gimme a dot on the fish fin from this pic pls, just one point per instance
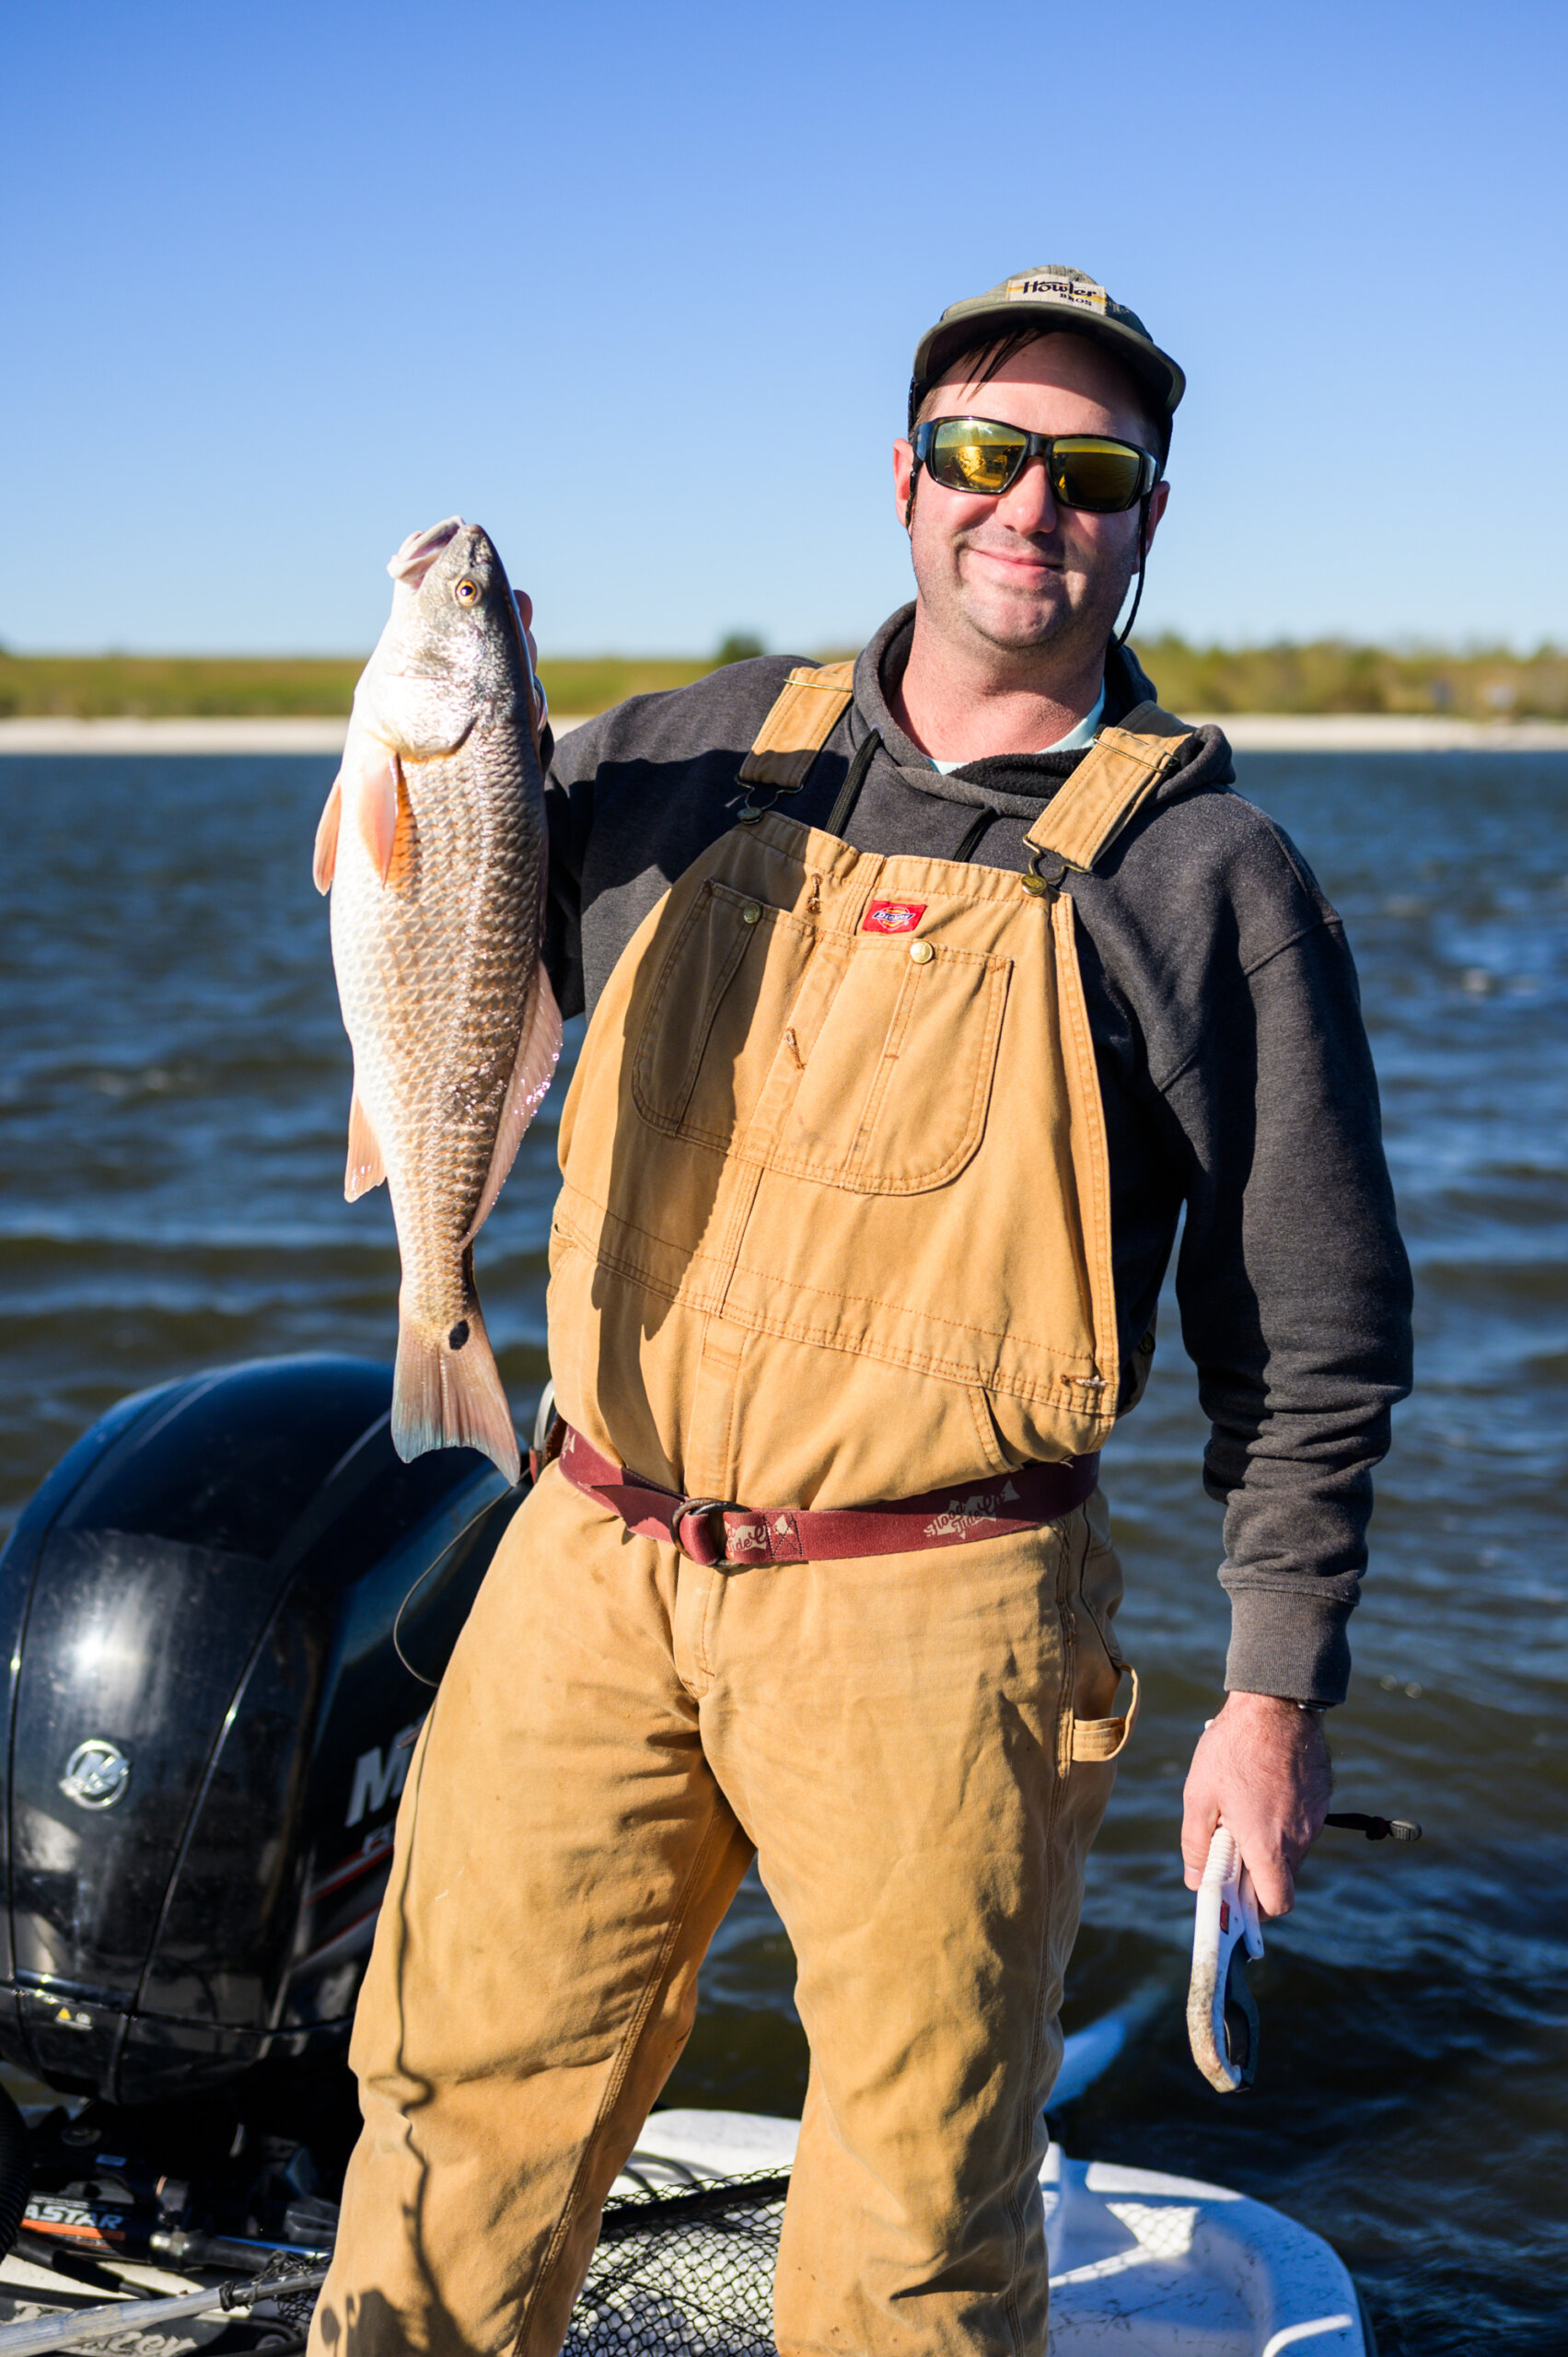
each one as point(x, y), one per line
point(365, 1168)
point(452, 1399)
point(539, 1051)
point(378, 801)
point(326, 855)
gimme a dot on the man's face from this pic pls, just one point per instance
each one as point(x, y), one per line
point(1019, 572)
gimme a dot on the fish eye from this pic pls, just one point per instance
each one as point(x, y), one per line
point(466, 592)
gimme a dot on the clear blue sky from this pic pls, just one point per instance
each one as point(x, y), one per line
point(637, 286)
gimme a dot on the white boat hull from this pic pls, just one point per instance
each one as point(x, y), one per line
point(1141, 2264)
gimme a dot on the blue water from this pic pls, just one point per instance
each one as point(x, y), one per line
point(173, 1091)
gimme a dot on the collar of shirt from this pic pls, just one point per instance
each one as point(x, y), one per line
point(1074, 740)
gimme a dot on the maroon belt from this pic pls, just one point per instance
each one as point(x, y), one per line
point(730, 1538)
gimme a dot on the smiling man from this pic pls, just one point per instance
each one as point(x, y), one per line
point(930, 995)
point(1019, 592)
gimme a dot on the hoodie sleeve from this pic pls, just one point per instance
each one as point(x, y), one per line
point(1293, 1284)
point(1294, 1295)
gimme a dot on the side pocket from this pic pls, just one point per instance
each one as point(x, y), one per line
point(1107, 1738)
point(985, 1432)
point(1101, 1583)
point(1099, 1730)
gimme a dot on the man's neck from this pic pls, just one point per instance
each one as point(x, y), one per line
point(955, 704)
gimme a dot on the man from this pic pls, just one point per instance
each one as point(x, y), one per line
point(927, 1000)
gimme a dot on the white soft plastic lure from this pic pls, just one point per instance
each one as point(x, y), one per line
point(1225, 2051)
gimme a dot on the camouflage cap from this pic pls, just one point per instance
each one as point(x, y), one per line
point(1056, 297)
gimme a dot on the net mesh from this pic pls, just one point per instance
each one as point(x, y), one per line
point(296, 2306)
point(683, 2274)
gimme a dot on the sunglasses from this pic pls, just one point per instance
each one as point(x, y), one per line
point(1086, 471)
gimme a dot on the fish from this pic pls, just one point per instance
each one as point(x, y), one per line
point(433, 847)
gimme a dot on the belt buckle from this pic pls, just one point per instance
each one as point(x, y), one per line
point(696, 1510)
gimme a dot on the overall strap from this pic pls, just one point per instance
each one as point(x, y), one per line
point(808, 708)
point(1110, 784)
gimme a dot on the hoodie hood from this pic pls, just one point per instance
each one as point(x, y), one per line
point(1019, 785)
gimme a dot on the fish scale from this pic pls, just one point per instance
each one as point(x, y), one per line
point(434, 1091)
point(433, 844)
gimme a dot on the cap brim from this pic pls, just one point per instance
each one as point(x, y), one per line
point(1154, 370)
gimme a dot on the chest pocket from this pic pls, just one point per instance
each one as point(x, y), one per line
point(820, 1055)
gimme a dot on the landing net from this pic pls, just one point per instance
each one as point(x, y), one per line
point(687, 2274)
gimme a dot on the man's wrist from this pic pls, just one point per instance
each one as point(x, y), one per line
point(1245, 1698)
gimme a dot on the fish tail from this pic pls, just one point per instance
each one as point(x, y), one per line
point(447, 1392)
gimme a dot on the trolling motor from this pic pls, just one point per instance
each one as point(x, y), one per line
point(1222, 2014)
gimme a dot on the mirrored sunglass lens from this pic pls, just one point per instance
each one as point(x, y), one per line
point(968, 454)
point(1103, 475)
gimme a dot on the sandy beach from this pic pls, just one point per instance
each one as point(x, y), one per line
point(1262, 732)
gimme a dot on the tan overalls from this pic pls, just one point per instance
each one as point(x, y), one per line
point(834, 1227)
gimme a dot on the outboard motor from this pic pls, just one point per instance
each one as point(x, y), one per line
point(224, 1613)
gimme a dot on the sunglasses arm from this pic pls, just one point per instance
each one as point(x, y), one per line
point(1143, 560)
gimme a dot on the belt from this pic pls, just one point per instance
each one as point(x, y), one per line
point(731, 1538)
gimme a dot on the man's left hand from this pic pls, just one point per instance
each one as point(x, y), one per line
point(1263, 1766)
point(525, 615)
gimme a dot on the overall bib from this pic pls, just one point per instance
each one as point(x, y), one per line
point(834, 1228)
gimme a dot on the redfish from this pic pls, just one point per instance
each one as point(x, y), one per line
point(433, 846)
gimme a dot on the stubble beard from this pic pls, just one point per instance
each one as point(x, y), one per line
point(1028, 625)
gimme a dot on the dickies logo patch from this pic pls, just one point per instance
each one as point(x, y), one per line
point(893, 916)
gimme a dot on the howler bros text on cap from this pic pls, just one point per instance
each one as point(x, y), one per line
point(1057, 295)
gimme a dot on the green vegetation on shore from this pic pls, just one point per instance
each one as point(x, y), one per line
point(1331, 675)
point(174, 687)
point(234, 686)
point(1327, 675)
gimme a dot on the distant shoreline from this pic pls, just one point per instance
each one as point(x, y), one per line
point(1261, 732)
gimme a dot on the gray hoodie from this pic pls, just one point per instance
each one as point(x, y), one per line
point(1234, 1067)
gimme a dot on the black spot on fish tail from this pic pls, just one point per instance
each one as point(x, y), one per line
point(458, 1334)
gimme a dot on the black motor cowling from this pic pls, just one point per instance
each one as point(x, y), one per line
point(209, 1610)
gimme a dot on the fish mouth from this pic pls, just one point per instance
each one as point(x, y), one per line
point(420, 551)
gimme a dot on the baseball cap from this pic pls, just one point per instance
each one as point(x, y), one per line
point(1056, 297)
